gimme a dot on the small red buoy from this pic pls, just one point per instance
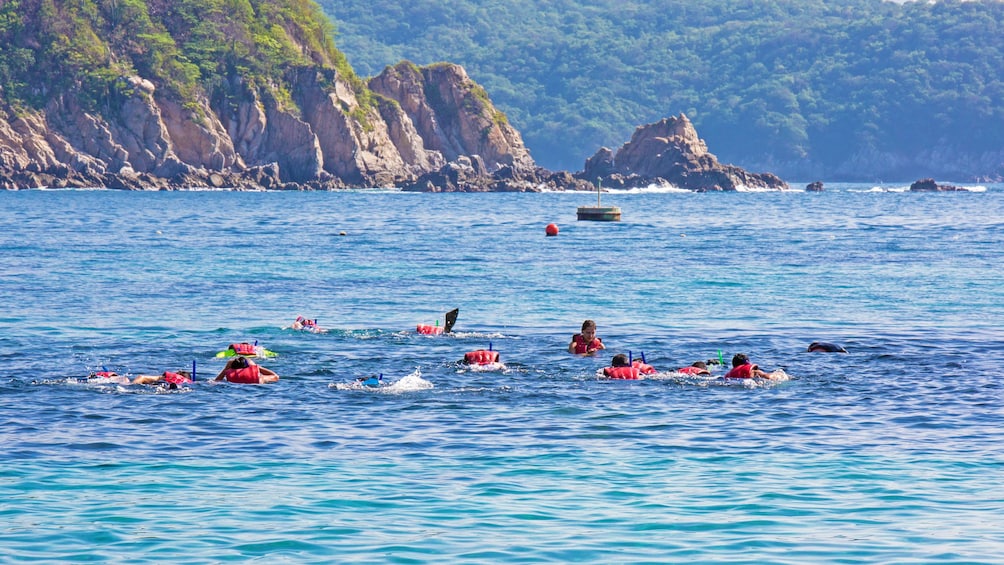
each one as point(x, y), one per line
point(551, 230)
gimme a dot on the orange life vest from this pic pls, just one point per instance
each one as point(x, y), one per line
point(244, 348)
point(245, 375)
point(623, 373)
point(643, 368)
point(741, 372)
point(176, 378)
point(481, 357)
point(583, 347)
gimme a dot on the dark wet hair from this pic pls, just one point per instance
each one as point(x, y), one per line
point(823, 346)
point(588, 324)
point(740, 359)
point(620, 360)
point(239, 362)
point(700, 365)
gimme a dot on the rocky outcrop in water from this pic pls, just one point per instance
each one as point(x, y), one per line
point(468, 174)
point(929, 185)
point(670, 152)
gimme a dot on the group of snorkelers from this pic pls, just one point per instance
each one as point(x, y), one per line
point(242, 369)
point(622, 366)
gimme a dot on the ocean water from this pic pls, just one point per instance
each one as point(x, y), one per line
point(891, 453)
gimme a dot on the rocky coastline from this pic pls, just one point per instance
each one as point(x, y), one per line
point(424, 129)
point(427, 129)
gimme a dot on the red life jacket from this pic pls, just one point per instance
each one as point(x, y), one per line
point(176, 378)
point(582, 347)
point(693, 371)
point(429, 330)
point(481, 357)
point(246, 375)
point(623, 373)
point(643, 368)
point(741, 372)
point(243, 348)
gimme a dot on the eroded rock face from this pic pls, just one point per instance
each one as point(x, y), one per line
point(670, 151)
point(452, 114)
point(320, 136)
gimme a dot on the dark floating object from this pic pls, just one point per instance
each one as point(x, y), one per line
point(827, 347)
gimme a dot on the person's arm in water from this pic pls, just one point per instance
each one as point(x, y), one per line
point(266, 375)
point(223, 372)
point(571, 346)
point(147, 379)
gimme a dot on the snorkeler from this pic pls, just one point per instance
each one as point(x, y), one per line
point(742, 368)
point(245, 371)
point(586, 342)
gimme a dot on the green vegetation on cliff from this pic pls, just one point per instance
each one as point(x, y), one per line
point(797, 86)
point(85, 47)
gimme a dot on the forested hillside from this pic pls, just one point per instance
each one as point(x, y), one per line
point(88, 46)
point(856, 89)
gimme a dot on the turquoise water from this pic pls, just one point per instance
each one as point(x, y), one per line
point(893, 452)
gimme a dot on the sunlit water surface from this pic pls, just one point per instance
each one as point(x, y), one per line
point(893, 452)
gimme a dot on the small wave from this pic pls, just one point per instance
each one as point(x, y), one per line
point(487, 368)
point(483, 389)
point(654, 188)
point(744, 188)
point(478, 335)
point(906, 188)
point(409, 383)
point(305, 330)
point(777, 377)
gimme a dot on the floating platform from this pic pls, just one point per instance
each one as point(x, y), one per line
point(599, 213)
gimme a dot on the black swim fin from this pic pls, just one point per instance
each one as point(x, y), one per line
point(451, 318)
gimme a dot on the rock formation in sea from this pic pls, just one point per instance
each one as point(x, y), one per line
point(815, 186)
point(929, 185)
point(670, 152)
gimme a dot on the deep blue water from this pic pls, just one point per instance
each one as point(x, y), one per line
point(893, 452)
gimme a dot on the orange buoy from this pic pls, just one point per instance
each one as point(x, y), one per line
point(551, 230)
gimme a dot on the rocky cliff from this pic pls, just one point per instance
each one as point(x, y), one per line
point(245, 94)
point(245, 137)
point(670, 152)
